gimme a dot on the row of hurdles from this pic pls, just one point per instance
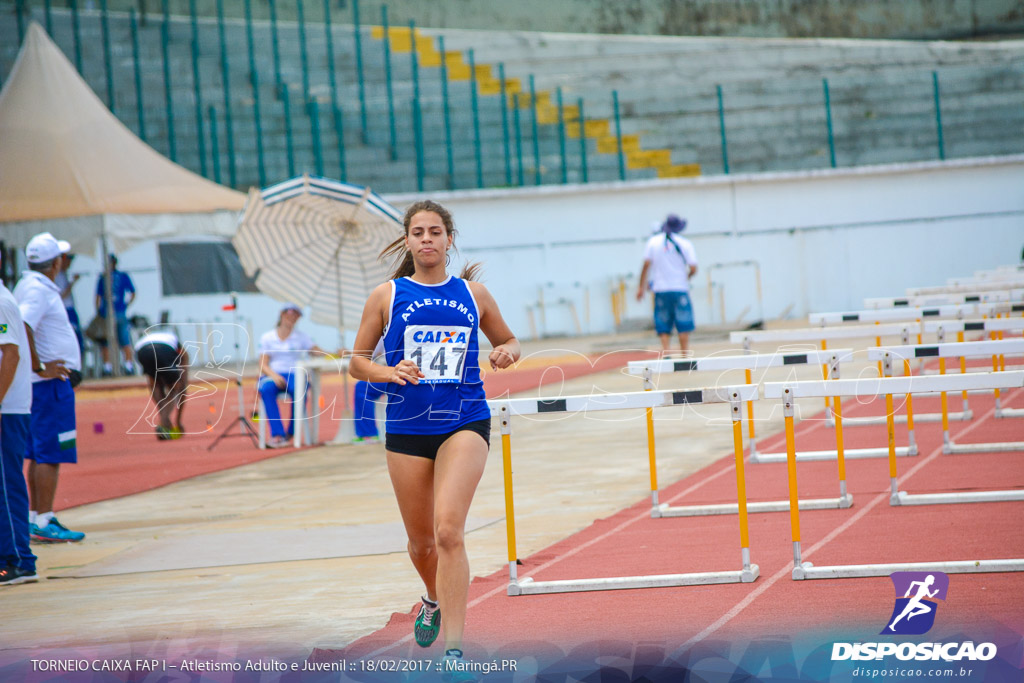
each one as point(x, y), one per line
point(903, 321)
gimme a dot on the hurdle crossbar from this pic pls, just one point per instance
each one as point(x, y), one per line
point(909, 313)
point(928, 300)
point(746, 362)
point(972, 349)
point(968, 287)
point(790, 391)
point(735, 396)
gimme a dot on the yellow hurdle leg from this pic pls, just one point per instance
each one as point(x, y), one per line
point(910, 408)
point(750, 414)
point(794, 500)
point(963, 368)
point(824, 369)
point(945, 404)
point(741, 484)
point(891, 428)
point(510, 514)
point(840, 454)
point(652, 462)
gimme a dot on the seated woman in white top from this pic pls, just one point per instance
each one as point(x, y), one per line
point(280, 349)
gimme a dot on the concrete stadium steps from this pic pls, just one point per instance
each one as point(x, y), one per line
point(881, 97)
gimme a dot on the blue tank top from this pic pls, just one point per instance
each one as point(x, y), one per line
point(435, 326)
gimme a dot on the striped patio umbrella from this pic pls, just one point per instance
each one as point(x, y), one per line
point(317, 242)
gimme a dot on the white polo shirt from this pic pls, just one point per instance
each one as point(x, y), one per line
point(670, 269)
point(283, 353)
point(42, 309)
point(18, 400)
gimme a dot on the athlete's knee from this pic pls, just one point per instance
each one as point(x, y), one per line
point(450, 537)
point(421, 548)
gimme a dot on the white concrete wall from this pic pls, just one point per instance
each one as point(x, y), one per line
point(824, 240)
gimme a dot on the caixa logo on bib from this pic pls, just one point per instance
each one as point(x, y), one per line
point(916, 596)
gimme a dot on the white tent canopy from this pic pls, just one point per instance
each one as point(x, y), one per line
point(69, 166)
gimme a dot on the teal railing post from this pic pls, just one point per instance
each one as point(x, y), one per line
point(49, 19)
point(618, 134)
point(561, 138)
point(447, 115)
point(197, 88)
point(519, 138)
point(314, 129)
point(938, 115)
point(276, 49)
point(286, 103)
point(19, 11)
point(107, 61)
point(303, 50)
point(721, 127)
point(583, 142)
point(140, 109)
point(535, 131)
point(76, 29)
point(254, 82)
point(339, 128)
point(387, 81)
point(165, 41)
point(225, 70)
point(504, 124)
point(414, 62)
point(261, 160)
point(357, 31)
point(417, 127)
point(828, 120)
point(475, 109)
point(214, 145)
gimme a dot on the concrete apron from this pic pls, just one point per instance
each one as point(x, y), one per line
point(569, 471)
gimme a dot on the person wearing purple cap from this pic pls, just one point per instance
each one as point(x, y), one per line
point(669, 262)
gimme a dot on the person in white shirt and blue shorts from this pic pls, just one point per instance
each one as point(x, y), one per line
point(669, 262)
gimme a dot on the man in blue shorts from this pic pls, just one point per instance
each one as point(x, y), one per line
point(17, 563)
point(123, 294)
point(56, 366)
point(670, 261)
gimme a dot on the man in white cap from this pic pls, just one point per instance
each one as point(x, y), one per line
point(17, 563)
point(56, 366)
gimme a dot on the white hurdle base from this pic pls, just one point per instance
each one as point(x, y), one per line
point(904, 498)
point(664, 510)
point(1010, 412)
point(857, 571)
point(950, 447)
point(963, 416)
point(527, 586)
point(849, 453)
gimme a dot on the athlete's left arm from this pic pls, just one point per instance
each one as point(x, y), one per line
point(506, 347)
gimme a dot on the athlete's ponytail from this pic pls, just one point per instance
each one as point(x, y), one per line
point(403, 257)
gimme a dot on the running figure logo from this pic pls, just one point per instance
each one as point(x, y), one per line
point(914, 612)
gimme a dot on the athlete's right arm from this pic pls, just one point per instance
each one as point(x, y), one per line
point(371, 329)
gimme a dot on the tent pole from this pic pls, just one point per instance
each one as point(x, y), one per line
point(108, 297)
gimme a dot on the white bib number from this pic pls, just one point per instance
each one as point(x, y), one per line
point(438, 351)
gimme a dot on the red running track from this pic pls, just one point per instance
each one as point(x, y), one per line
point(630, 543)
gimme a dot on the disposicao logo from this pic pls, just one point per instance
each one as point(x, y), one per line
point(914, 614)
point(916, 595)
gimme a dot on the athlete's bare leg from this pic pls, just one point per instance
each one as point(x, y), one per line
point(460, 464)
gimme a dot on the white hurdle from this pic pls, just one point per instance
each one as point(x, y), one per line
point(790, 391)
point(506, 408)
point(995, 327)
point(827, 335)
point(748, 362)
point(968, 350)
point(925, 300)
point(883, 315)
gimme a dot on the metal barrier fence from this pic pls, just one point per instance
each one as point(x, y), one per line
point(487, 154)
